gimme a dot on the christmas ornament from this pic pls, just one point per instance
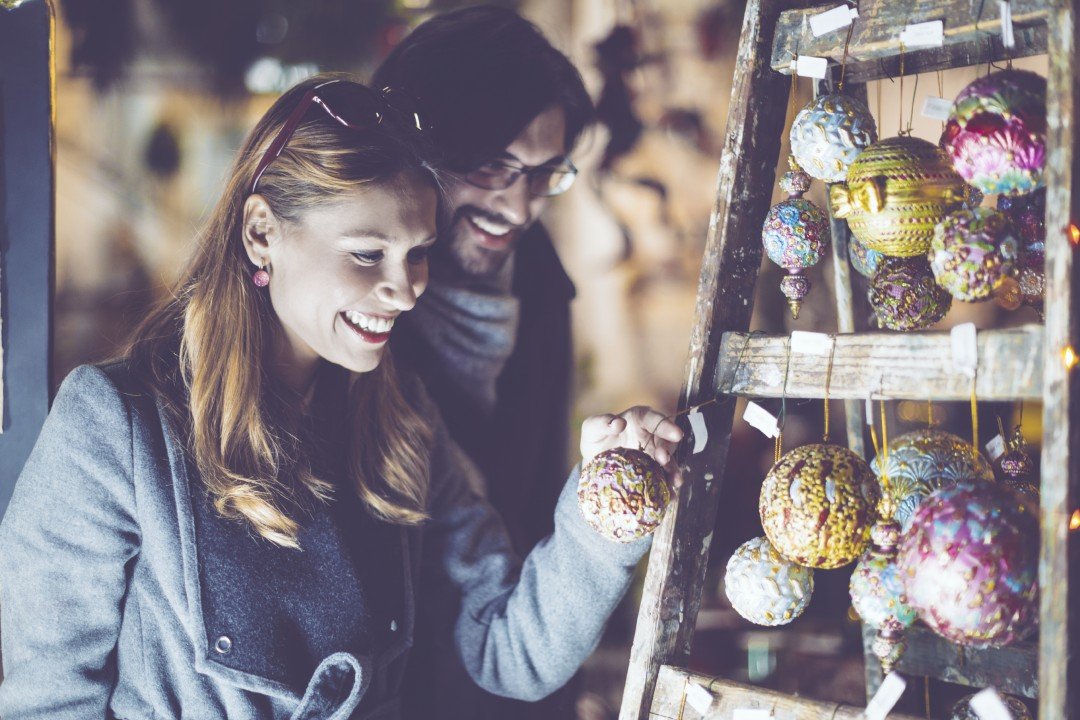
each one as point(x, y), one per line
point(962, 710)
point(878, 595)
point(905, 296)
point(795, 235)
point(865, 261)
point(973, 252)
point(920, 462)
point(896, 191)
point(816, 505)
point(623, 493)
point(1016, 466)
point(764, 587)
point(1028, 216)
point(829, 133)
point(970, 563)
point(996, 133)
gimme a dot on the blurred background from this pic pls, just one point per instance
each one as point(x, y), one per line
point(154, 97)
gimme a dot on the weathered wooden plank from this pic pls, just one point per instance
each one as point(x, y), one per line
point(1012, 669)
point(903, 366)
point(677, 564)
point(1061, 406)
point(875, 40)
point(730, 696)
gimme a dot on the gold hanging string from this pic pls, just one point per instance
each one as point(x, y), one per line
point(843, 61)
point(880, 117)
point(911, 110)
point(790, 118)
point(886, 490)
point(900, 125)
point(941, 91)
point(974, 421)
point(828, 381)
point(929, 414)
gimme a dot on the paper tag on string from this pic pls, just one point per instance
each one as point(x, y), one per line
point(886, 697)
point(869, 412)
point(936, 108)
point(699, 698)
point(811, 67)
point(839, 17)
point(701, 434)
point(811, 343)
point(927, 34)
point(988, 705)
point(996, 447)
point(1008, 37)
point(762, 419)
point(965, 349)
point(751, 714)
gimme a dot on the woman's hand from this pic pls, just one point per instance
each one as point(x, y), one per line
point(637, 428)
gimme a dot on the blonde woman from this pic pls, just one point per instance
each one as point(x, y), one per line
point(244, 516)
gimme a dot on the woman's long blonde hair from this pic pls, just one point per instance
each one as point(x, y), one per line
point(206, 350)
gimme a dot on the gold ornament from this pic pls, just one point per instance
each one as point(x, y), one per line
point(897, 190)
point(817, 505)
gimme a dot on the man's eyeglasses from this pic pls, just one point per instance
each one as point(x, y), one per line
point(544, 180)
point(351, 104)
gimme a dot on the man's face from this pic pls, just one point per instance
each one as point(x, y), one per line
point(485, 224)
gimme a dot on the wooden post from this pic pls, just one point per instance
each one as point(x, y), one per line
point(672, 593)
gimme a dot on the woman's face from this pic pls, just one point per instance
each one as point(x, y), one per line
point(342, 273)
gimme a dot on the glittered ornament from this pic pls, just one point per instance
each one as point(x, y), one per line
point(897, 190)
point(878, 595)
point(829, 133)
point(996, 133)
point(970, 563)
point(962, 710)
point(1016, 466)
point(973, 252)
point(1028, 216)
point(817, 504)
point(923, 461)
point(865, 261)
point(764, 587)
point(623, 493)
point(795, 235)
point(905, 296)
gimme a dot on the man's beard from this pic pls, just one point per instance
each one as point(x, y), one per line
point(463, 252)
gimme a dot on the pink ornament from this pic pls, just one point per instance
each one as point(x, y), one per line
point(261, 278)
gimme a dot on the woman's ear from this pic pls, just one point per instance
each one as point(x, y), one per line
point(261, 230)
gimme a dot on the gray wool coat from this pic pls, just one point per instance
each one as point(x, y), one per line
point(102, 608)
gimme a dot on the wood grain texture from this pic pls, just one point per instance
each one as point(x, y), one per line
point(672, 591)
point(731, 696)
point(902, 366)
point(875, 41)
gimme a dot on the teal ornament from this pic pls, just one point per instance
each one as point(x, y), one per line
point(829, 133)
point(878, 595)
point(865, 261)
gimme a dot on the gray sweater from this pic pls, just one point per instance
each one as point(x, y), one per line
point(102, 609)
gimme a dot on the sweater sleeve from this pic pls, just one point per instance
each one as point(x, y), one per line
point(524, 627)
point(65, 544)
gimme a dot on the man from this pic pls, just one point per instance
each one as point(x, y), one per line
point(491, 336)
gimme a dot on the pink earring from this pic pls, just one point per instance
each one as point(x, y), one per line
point(260, 277)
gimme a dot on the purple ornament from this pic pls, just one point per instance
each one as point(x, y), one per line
point(904, 295)
point(1028, 216)
point(996, 134)
point(973, 252)
point(970, 563)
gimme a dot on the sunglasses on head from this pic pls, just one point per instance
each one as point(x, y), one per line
point(354, 106)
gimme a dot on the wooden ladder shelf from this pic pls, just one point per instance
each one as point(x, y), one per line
point(1018, 363)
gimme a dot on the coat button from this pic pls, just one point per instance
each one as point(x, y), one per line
point(393, 626)
point(223, 645)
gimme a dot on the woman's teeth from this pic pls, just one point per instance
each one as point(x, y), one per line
point(491, 228)
point(368, 323)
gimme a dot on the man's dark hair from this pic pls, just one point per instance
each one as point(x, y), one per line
point(483, 74)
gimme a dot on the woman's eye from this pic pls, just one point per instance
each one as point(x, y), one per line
point(368, 257)
point(419, 254)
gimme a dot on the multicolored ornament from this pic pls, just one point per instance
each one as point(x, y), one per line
point(973, 252)
point(878, 595)
point(970, 563)
point(622, 494)
point(764, 587)
point(1028, 216)
point(1016, 466)
point(905, 296)
point(795, 235)
point(829, 133)
point(923, 461)
point(962, 710)
point(996, 133)
point(897, 190)
point(865, 261)
point(817, 504)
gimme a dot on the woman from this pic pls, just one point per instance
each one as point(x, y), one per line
point(244, 515)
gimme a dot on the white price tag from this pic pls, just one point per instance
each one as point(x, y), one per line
point(886, 697)
point(965, 349)
point(996, 447)
point(699, 698)
point(762, 419)
point(839, 17)
point(869, 412)
point(701, 434)
point(811, 343)
point(751, 714)
point(988, 705)
point(811, 67)
point(1008, 38)
point(936, 108)
point(927, 34)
